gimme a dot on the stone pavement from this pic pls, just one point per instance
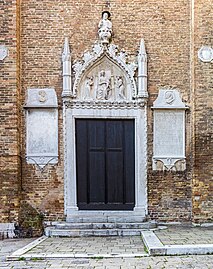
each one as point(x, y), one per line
point(179, 235)
point(116, 245)
point(94, 246)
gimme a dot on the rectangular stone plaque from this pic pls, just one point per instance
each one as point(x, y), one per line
point(42, 127)
point(169, 133)
point(42, 136)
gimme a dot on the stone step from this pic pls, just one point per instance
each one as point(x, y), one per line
point(107, 225)
point(53, 232)
point(105, 218)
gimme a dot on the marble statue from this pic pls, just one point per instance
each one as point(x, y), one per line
point(120, 87)
point(88, 87)
point(104, 87)
point(105, 28)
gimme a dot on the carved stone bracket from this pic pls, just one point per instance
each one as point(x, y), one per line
point(42, 161)
point(169, 163)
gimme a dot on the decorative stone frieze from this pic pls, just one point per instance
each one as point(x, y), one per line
point(42, 127)
point(169, 131)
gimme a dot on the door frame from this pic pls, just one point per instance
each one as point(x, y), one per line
point(73, 111)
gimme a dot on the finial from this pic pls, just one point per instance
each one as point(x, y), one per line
point(142, 47)
point(66, 53)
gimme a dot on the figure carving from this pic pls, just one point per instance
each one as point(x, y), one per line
point(88, 87)
point(170, 97)
point(105, 28)
point(104, 87)
point(42, 96)
point(120, 87)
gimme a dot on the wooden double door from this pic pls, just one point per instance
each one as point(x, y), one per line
point(105, 156)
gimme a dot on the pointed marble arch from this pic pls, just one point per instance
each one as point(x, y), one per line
point(98, 53)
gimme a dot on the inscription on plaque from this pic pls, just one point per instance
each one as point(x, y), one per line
point(42, 127)
point(169, 131)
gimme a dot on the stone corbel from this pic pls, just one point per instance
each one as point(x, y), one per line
point(169, 163)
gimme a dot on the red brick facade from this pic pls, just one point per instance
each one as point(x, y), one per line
point(173, 32)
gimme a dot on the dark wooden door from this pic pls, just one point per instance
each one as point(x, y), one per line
point(105, 164)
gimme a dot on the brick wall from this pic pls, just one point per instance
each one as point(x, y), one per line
point(167, 30)
point(203, 88)
point(9, 113)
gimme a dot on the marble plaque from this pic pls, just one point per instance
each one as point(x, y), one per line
point(205, 54)
point(42, 127)
point(169, 130)
point(169, 133)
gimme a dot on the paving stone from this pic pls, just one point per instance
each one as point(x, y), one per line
point(182, 235)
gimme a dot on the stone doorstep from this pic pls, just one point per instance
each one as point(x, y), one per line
point(97, 229)
point(105, 225)
point(52, 232)
point(155, 247)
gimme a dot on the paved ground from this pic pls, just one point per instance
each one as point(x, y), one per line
point(91, 245)
point(174, 262)
point(183, 235)
point(112, 245)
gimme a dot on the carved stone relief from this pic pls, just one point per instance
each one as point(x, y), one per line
point(112, 65)
point(104, 81)
point(169, 131)
point(42, 127)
